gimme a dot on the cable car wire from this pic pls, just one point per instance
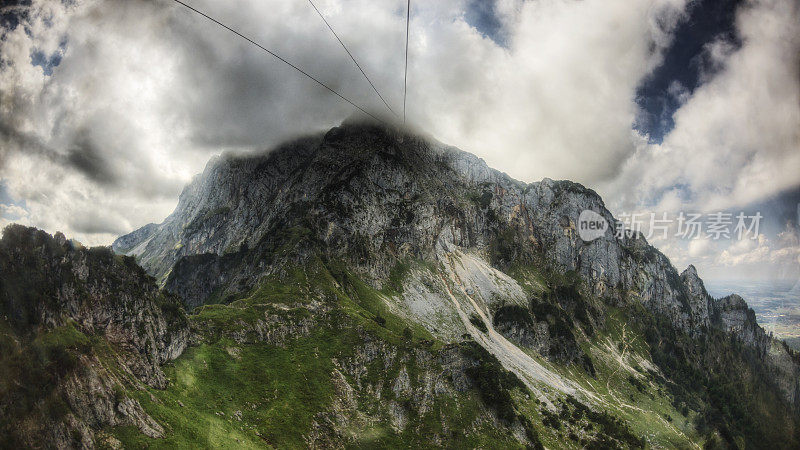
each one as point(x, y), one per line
point(280, 58)
point(352, 57)
point(405, 76)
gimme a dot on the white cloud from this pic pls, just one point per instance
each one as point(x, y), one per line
point(699, 247)
point(737, 138)
point(146, 92)
point(560, 103)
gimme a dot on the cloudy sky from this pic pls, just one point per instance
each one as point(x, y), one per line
point(109, 107)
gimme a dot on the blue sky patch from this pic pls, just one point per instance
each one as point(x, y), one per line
point(482, 15)
point(660, 94)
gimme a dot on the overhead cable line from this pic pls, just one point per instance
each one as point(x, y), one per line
point(405, 76)
point(351, 57)
point(280, 58)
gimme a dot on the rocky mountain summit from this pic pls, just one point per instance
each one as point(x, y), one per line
point(453, 246)
point(67, 313)
point(368, 286)
point(372, 195)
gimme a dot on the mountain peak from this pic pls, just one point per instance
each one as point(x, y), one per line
point(335, 175)
point(401, 260)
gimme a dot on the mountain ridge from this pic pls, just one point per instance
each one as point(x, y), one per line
point(376, 198)
point(367, 286)
point(294, 156)
point(74, 323)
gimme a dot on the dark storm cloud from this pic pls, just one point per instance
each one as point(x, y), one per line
point(107, 108)
point(113, 105)
point(96, 223)
point(238, 95)
point(14, 140)
point(84, 156)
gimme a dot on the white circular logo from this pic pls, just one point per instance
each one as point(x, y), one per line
point(591, 225)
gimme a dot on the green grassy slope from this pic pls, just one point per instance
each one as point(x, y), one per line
point(284, 388)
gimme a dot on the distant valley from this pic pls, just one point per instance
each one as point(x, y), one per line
point(776, 303)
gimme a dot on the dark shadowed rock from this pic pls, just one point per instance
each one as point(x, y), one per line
point(59, 301)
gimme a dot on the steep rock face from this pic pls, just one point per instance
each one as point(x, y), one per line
point(366, 192)
point(786, 372)
point(234, 201)
point(732, 314)
point(195, 278)
point(369, 196)
point(130, 240)
point(372, 195)
point(699, 300)
point(99, 291)
point(546, 331)
point(61, 304)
